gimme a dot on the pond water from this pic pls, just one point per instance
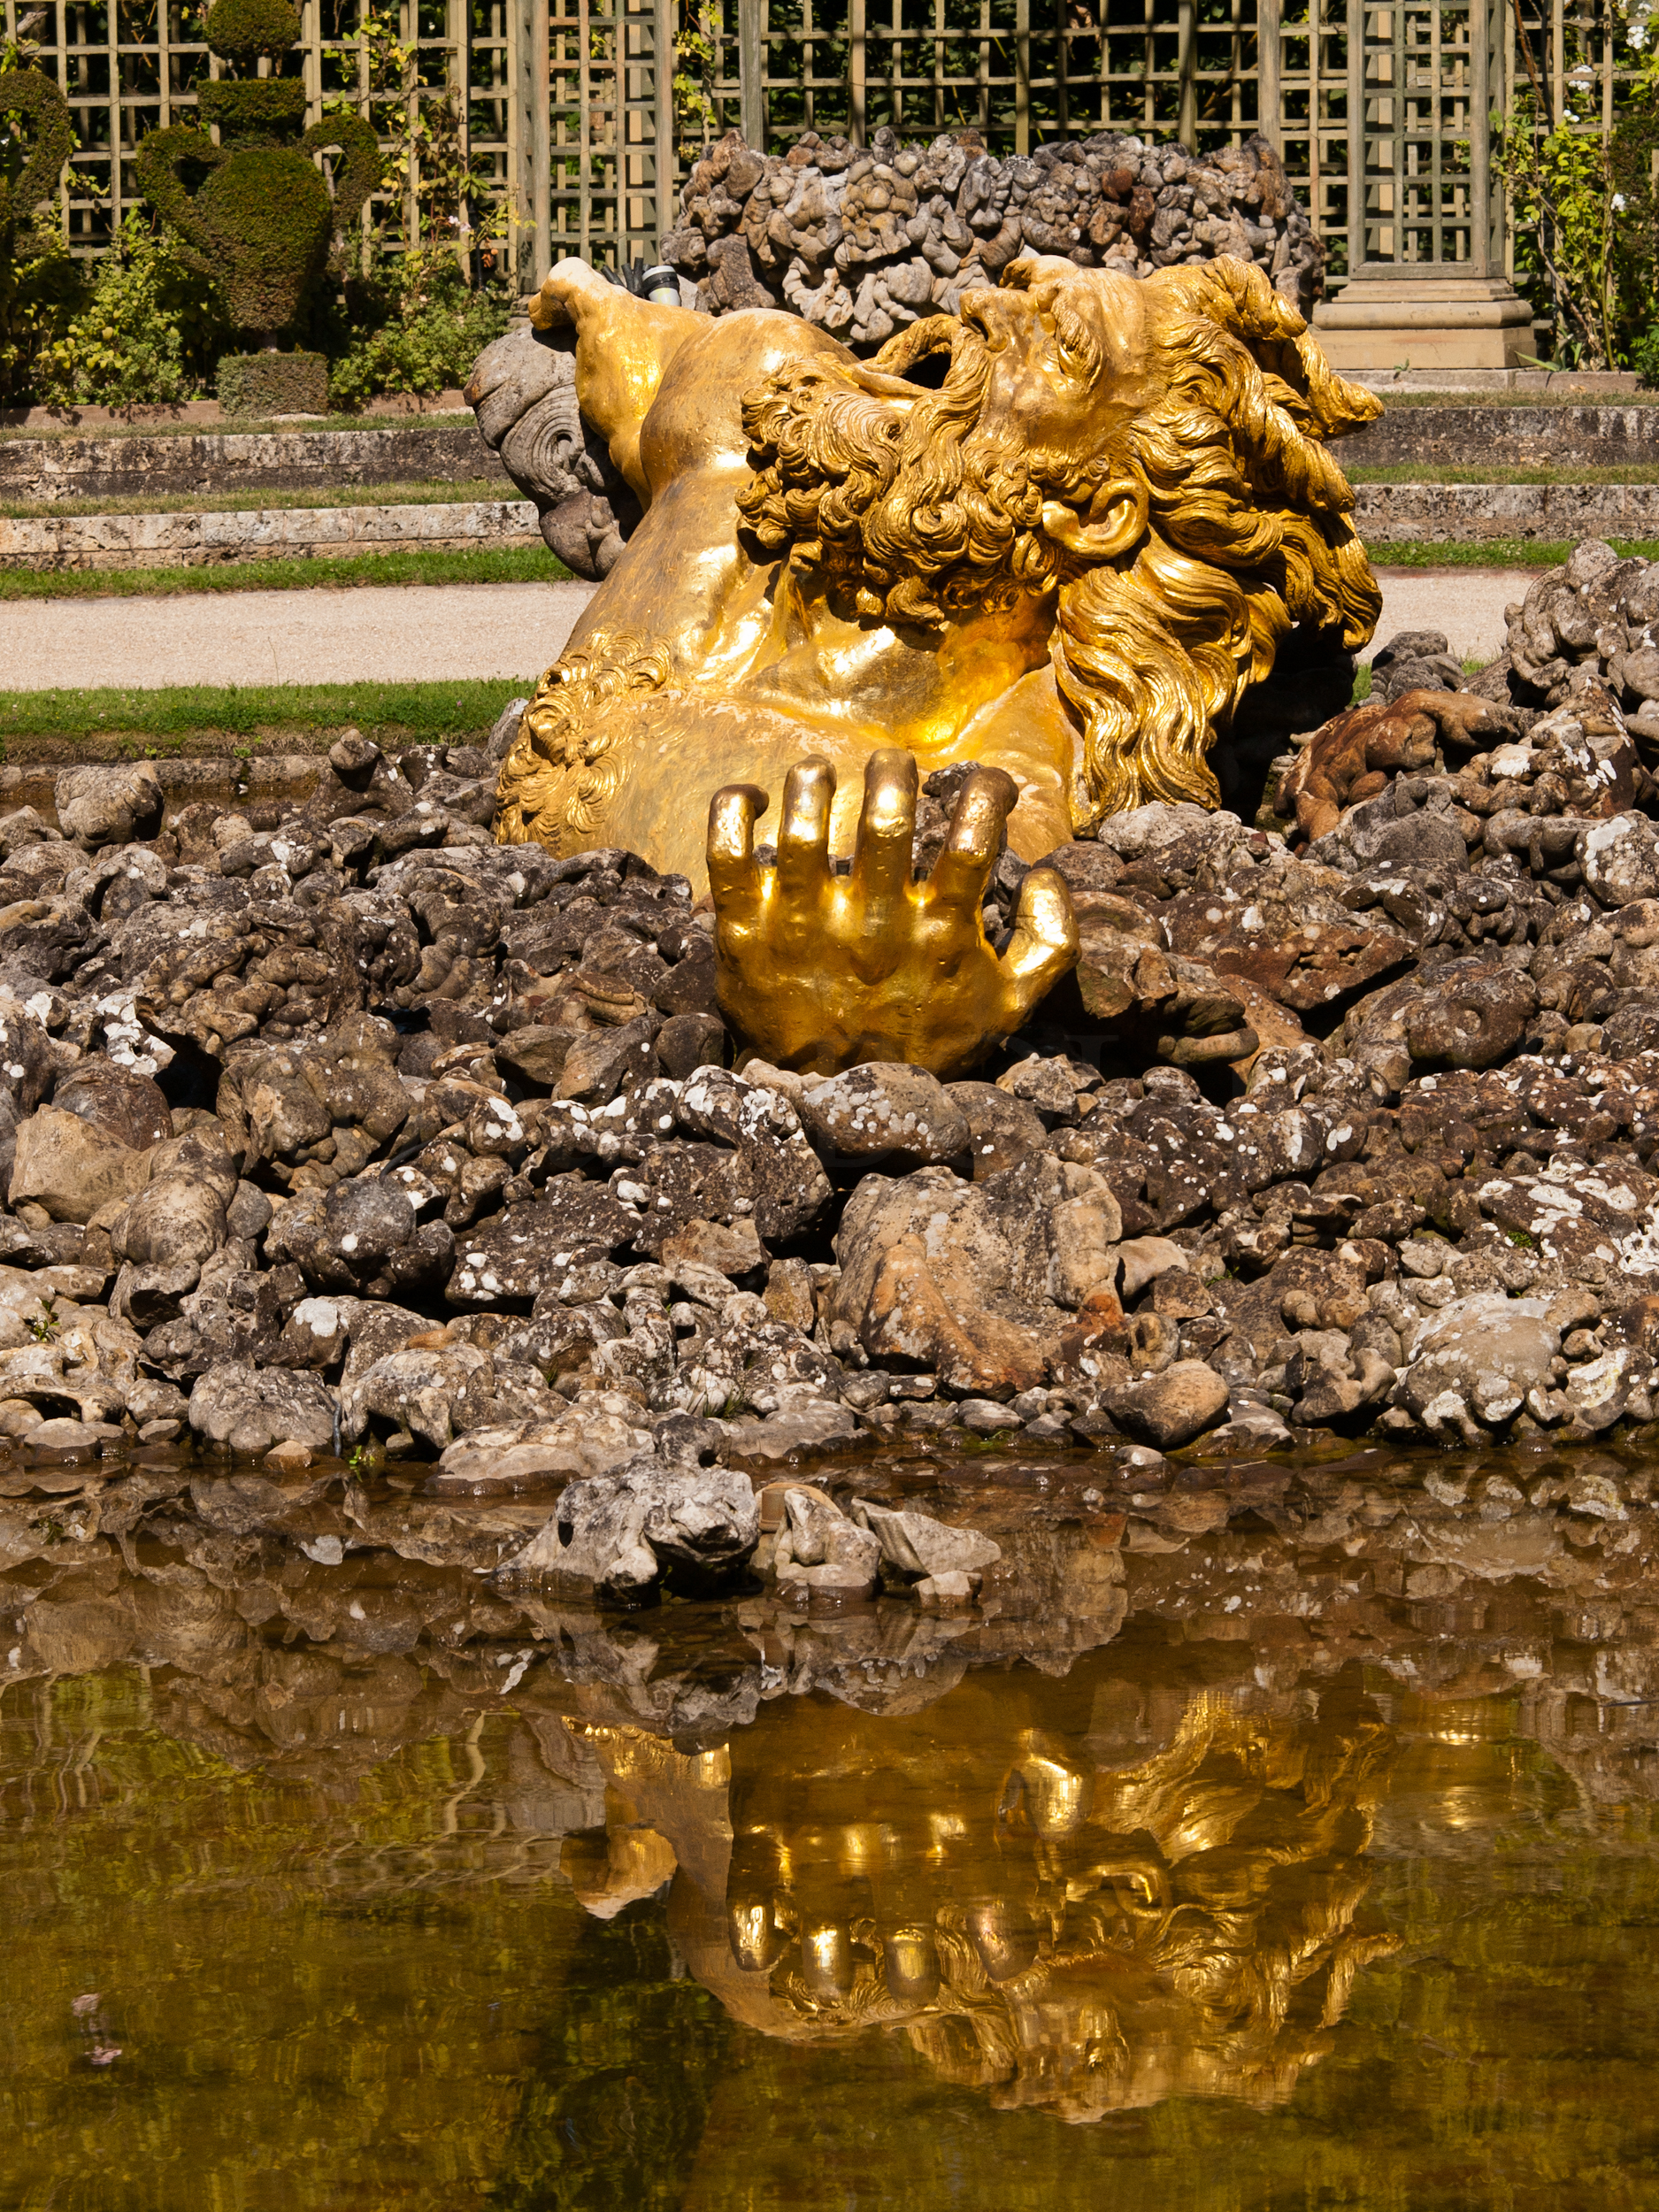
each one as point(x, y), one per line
point(1287, 1841)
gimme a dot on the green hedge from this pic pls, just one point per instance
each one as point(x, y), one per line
point(261, 386)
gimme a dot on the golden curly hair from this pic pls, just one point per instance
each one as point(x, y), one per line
point(921, 515)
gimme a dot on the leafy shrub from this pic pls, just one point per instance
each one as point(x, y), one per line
point(147, 335)
point(1644, 358)
point(40, 287)
point(418, 330)
point(40, 284)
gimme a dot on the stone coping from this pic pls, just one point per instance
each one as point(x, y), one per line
point(1457, 513)
point(1553, 383)
point(127, 467)
point(205, 410)
point(1411, 512)
point(190, 540)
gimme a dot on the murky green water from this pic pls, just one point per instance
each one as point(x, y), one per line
point(1270, 1884)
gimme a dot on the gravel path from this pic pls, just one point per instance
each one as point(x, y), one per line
point(371, 633)
point(1465, 605)
point(413, 632)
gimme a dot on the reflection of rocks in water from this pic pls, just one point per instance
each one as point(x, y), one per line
point(1046, 1923)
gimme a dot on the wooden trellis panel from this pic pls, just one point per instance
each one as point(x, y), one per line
point(1425, 72)
point(567, 104)
point(127, 67)
point(610, 137)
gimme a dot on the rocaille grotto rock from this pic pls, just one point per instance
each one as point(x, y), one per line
point(863, 241)
point(330, 1126)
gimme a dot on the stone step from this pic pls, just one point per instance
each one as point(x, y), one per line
point(1460, 513)
point(191, 539)
point(1383, 513)
point(1506, 437)
point(137, 466)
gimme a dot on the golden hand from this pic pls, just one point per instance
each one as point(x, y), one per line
point(819, 972)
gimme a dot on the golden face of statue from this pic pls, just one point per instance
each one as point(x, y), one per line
point(1056, 537)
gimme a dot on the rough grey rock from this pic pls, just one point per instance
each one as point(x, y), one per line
point(862, 241)
point(620, 1530)
point(819, 1547)
point(108, 805)
point(63, 1164)
point(918, 1545)
point(886, 1111)
point(251, 1409)
point(1169, 1409)
point(592, 1438)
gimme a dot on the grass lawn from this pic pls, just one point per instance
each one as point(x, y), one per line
point(1392, 399)
point(531, 565)
point(1434, 472)
point(210, 720)
point(506, 564)
point(1497, 552)
point(232, 503)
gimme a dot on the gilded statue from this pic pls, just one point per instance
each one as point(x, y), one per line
point(1053, 539)
point(1045, 1926)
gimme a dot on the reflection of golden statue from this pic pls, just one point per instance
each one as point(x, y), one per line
point(1057, 537)
point(1078, 1938)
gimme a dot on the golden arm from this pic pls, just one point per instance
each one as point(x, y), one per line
point(623, 347)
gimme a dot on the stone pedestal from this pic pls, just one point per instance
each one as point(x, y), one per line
point(1423, 318)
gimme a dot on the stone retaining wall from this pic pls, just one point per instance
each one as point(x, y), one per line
point(1460, 512)
point(1507, 437)
point(1383, 512)
point(198, 540)
point(136, 467)
point(132, 467)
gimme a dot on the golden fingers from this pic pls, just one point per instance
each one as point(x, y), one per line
point(819, 971)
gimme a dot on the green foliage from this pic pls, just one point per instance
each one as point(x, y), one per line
point(243, 30)
point(258, 386)
point(40, 284)
point(1561, 205)
point(40, 287)
point(268, 108)
point(146, 334)
point(1644, 358)
point(419, 329)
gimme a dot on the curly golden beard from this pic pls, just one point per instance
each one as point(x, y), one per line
point(906, 506)
point(924, 519)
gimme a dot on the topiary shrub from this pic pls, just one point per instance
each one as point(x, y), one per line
point(264, 385)
point(26, 92)
point(252, 211)
point(259, 111)
point(248, 31)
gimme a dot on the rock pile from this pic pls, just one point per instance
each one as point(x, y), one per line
point(863, 241)
point(1588, 625)
point(328, 1126)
